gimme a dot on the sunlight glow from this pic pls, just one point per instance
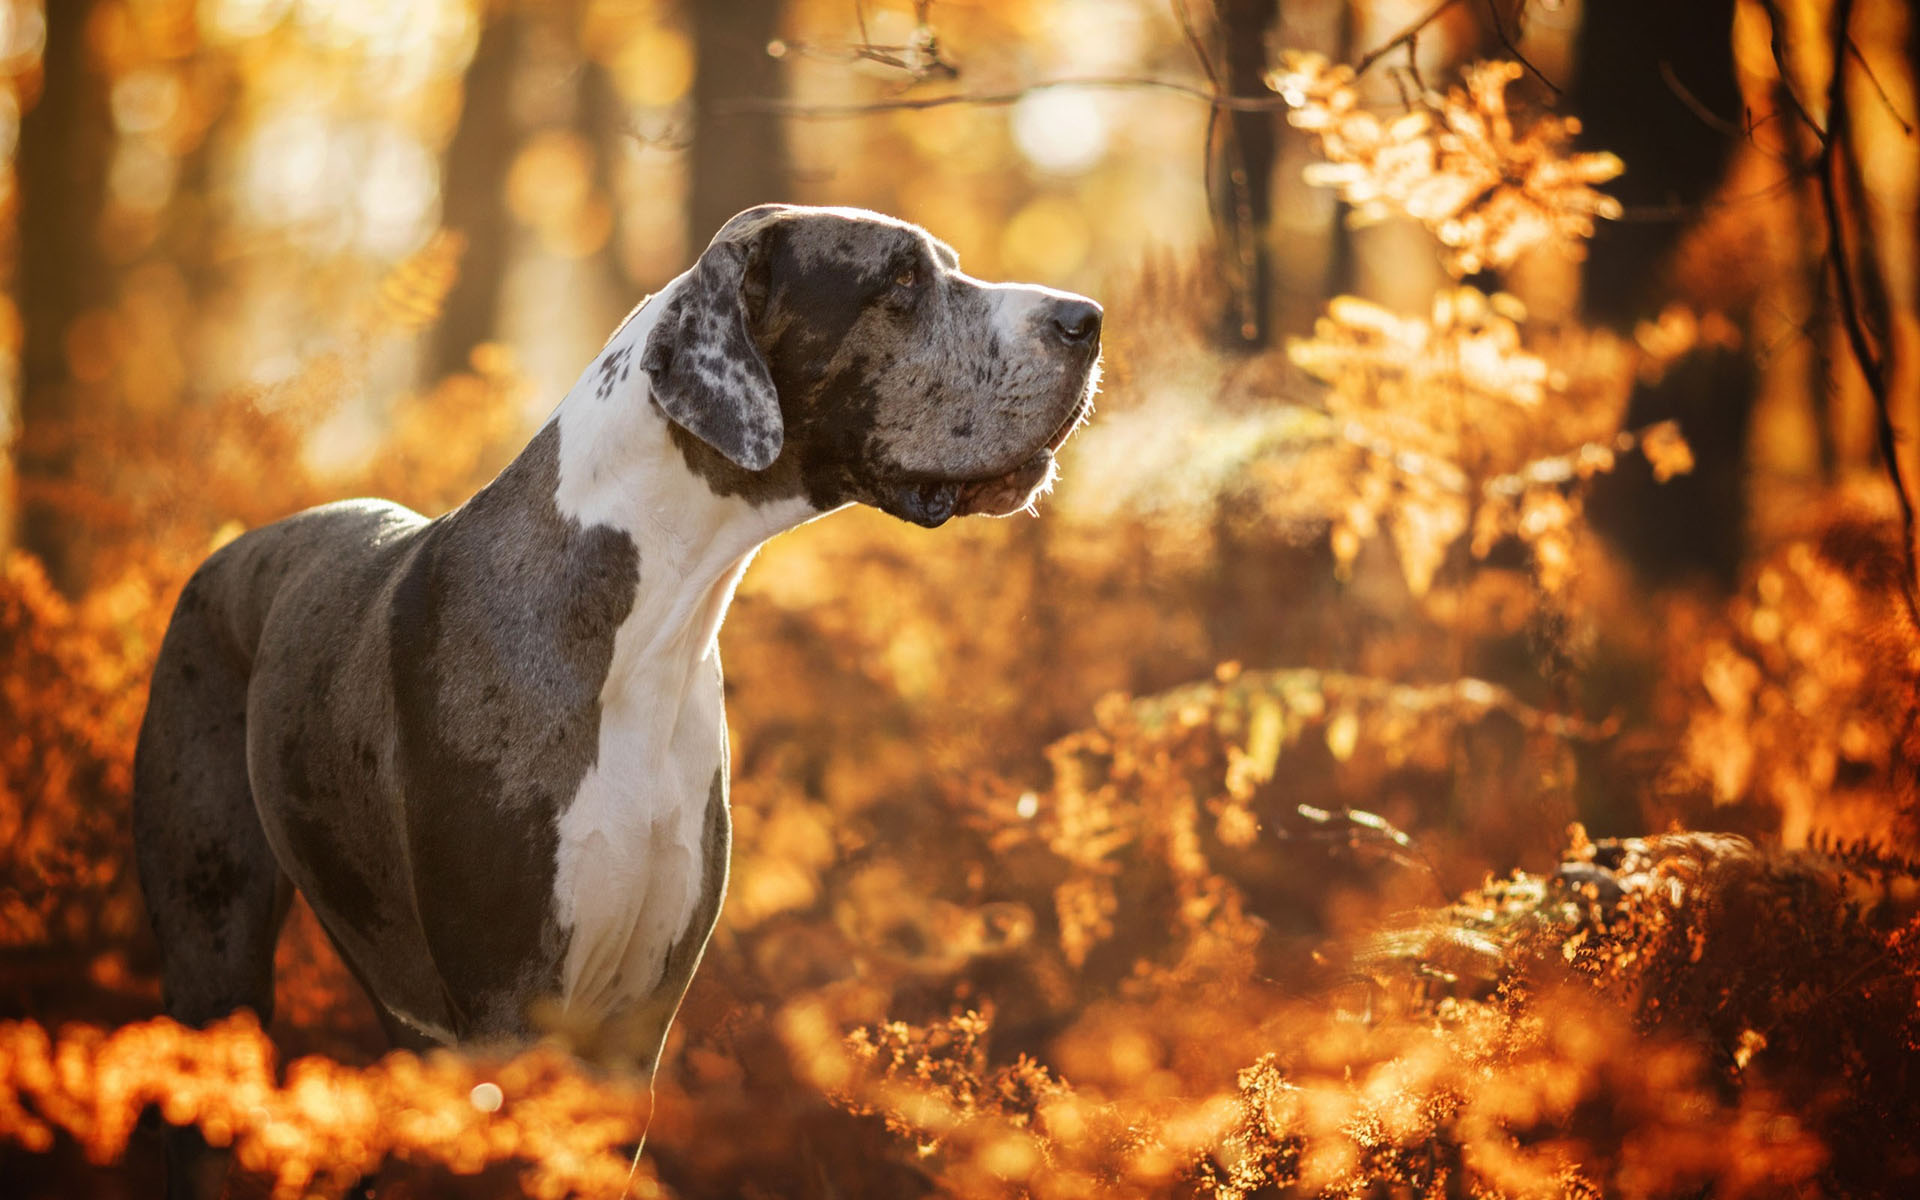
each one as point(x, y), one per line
point(399, 184)
point(239, 19)
point(285, 168)
point(290, 172)
point(1060, 131)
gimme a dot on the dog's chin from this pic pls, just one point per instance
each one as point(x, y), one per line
point(931, 503)
point(1004, 495)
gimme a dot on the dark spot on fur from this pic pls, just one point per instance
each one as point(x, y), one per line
point(484, 802)
point(213, 877)
point(603, 567)
point(339, 876)
point(613, 365)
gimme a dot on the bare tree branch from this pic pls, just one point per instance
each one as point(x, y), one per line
point(1506, 40)
point(1873, 77)
point(1833, 167)
point(1681, 92)
point(920, 58)
point(1775, 22)
point(1691, 211)
point(1192, 35)
point(1407, 37)
point(806, 111)
point(1240, 219)
point(1721, 125)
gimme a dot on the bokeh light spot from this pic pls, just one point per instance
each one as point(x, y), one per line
point(486, 1097)
point(1060, 130)
point(655, 67)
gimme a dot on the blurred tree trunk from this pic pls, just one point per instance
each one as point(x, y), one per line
point(10, 356)
point(1309, 239)
point(1648, 77)
point(474, 192)
point(1654, 83)
point(9, 489)
point(1243, 174)
point(739, 159)
point(605, 123)
point(65, 140)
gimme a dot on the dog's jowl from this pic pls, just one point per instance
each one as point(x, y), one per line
point(489, 748)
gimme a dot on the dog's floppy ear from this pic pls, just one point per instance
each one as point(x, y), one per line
point(708, 374)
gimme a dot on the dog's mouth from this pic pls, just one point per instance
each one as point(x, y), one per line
point(932, 502)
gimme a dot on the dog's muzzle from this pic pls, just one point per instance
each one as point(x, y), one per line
point(1066, 328)
point(932, 502)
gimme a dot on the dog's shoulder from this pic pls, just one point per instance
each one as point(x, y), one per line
point(237, 587)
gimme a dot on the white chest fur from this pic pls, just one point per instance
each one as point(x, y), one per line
point(631, 864)
point(631, 869)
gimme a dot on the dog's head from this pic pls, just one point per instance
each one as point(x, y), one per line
point(844, 354)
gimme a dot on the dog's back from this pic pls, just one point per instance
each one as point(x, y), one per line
point(214, 886)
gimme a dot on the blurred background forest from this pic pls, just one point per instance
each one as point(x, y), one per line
point(1452, 732)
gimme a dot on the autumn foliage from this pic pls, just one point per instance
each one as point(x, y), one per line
point(1225, 832)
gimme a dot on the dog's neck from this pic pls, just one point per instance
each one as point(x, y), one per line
point(620, 467)
point(630, 872)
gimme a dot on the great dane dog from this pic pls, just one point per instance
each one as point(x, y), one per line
point(489, 748)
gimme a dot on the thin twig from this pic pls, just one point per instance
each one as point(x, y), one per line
point(800, 109)
point(1244, 235)
point(1406, 37)
point(1874, 78)
point(1192, 34)
point(1775, 22)
point(1500, 31)
point(1713, 120)
point(1407, 82)
point(1687, 212)
point(920, 60)
point(1185, 19)
point(1833, 162)
point(673, 136)
point(1681, 92)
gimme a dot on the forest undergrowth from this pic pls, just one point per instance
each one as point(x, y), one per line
point(1311, 802)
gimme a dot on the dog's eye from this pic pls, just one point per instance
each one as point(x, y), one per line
point(905, 277)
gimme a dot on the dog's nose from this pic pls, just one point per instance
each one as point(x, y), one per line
point(1077, 322)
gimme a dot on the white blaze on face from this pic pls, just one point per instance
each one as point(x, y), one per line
point(1016, 317)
